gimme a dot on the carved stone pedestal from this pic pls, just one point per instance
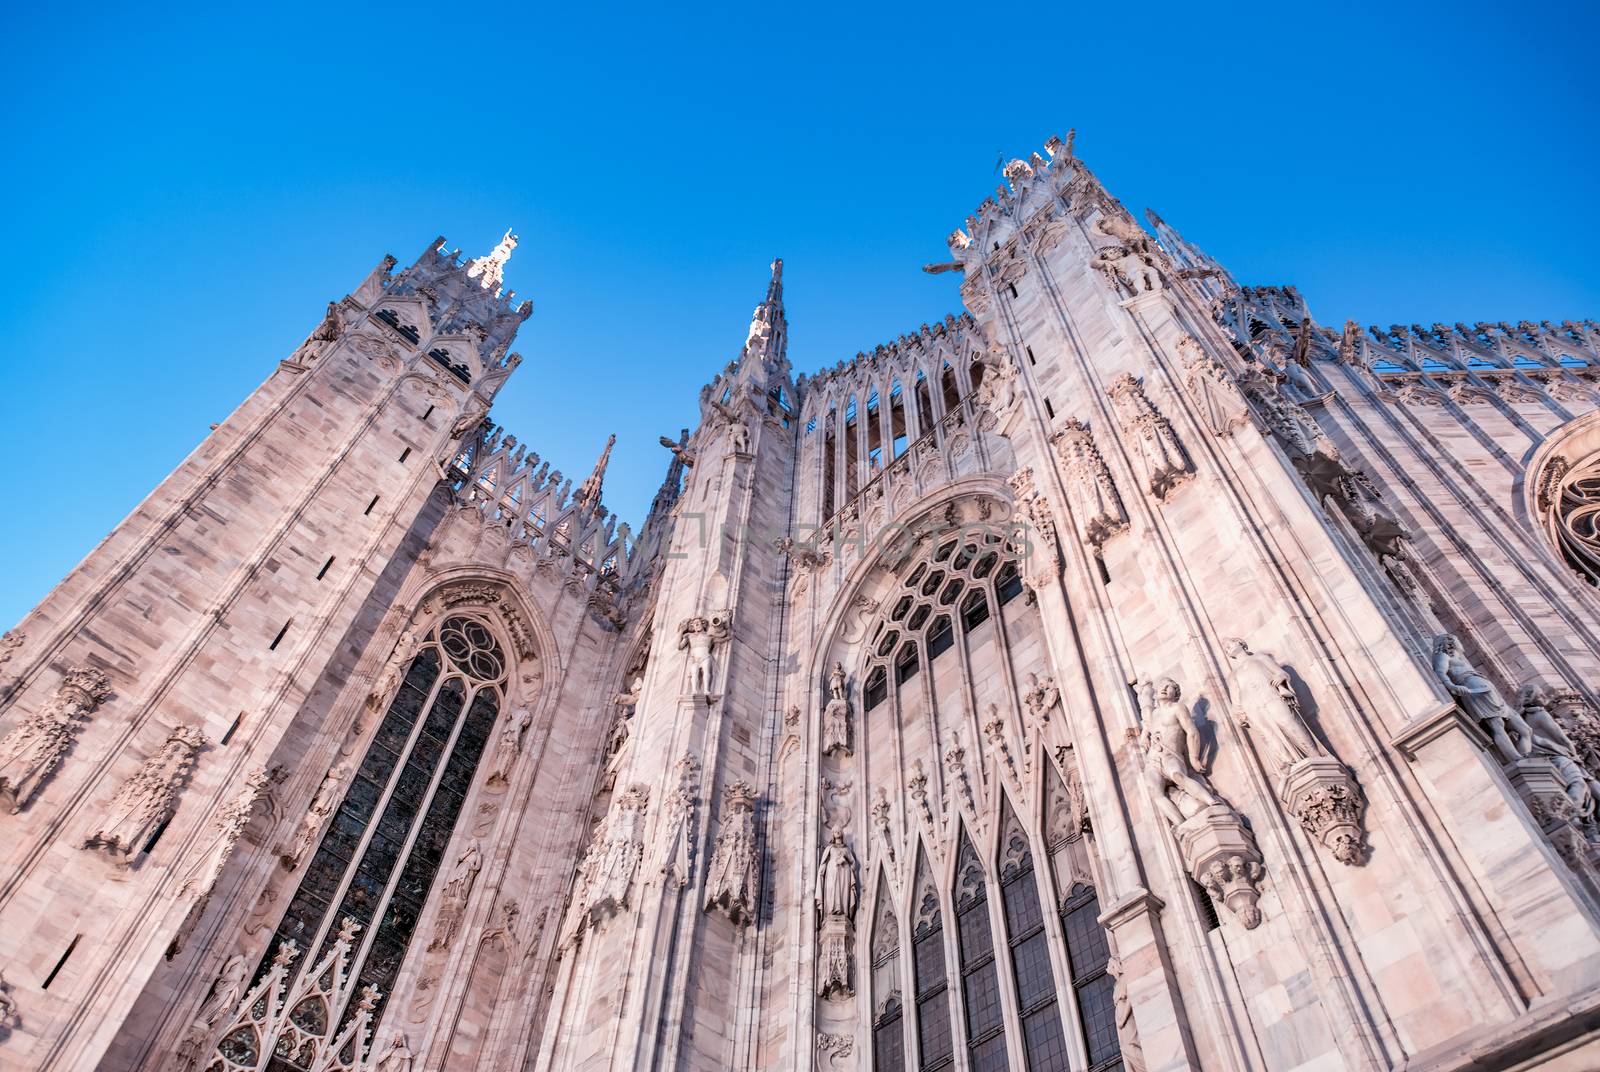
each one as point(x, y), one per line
point(1541, 786)
point(1222, 856)
point(1320, 793)
point(833, 960)
point(1536, 781)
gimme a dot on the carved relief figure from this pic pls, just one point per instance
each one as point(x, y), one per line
point(322, 805)
point(398, 1058)
point(1480, 699)
point(1041, 698)
point(1156, 444)
point(147, 799)
point(1090, 489)
point(456, 892)
point(836, 716)
point(622, 847)
point(1269, 708)
point(33, 748)
point(215, 1012)
point(732, 881)
point(674, 852)
point(1173, 763)
point(1044, 561)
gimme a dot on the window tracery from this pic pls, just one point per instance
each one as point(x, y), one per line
point(980, 983)
point(888, 1044)
point(1570, 498)
point(1013, 919)
point(935, 1042)
point(367, 885)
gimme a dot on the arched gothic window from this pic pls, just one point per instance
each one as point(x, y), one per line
point(888, 1044)
point(1088, 952)
point(383, 848)
point(935, 1043)
point(955, 645)
point(980, 984)
point(1042, 1037)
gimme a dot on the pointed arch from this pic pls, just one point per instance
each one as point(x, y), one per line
point(980, 982)
point(931, 982)
point(888, 1037)
point(1044, 1042)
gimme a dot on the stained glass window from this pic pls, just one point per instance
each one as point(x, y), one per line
point(980, 985)
point(382, 849)
point(1042, 1036)
point(1093, 988)
point(934, 1040)
point(888, 1042)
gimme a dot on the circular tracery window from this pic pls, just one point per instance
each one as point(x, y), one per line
point(1573, 497)
point(472, 648)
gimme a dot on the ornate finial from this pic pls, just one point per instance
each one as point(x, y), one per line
point(490, 271)
point(589, 490)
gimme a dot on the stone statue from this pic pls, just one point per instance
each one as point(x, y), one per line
point(880, 822)
point(836, 716)
point(1172, 752)
point(1478, 697)
point(328, 330)
point(836, 897)
point(225, 994)
point(732, 882)
point(511, 734)
point(1268, 707)
point(837, 891)
point(398, 1058)
point(216, 1012)
point(1548, 736)
point(322, 805)
point(1127, 1030)
point(148, 799)
point(456, 892)
point(1129, 264)
point(1551, 741)
point(698, 635)
point(394, 669)
point(34, 747)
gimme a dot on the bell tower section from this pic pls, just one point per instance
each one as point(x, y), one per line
point(148, 702)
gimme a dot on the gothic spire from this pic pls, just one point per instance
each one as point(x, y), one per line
point(489, 271)
point(589, 490)
point(768, 341)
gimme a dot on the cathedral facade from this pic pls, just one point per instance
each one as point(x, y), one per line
point(1129, 672)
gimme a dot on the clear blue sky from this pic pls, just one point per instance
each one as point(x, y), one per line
point(183, 190)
